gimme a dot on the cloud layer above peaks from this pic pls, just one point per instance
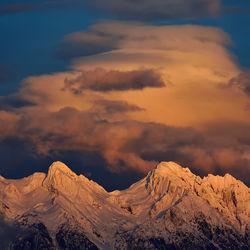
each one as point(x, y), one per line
point(140, 95)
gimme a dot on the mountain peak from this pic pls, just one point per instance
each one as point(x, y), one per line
point(59, 177)
point(61, 180)
point(166, 168)
point(170, 170)
point(59, 167)
point(168, 176)
point(212, 210)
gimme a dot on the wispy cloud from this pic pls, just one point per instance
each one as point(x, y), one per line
point(31, 6)
point(149, 10)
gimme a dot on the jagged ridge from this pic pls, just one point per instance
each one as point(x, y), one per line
point(168, 207)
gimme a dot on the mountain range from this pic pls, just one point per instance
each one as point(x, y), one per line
point(171, 208)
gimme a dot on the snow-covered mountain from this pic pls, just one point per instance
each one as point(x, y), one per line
point(171, 208)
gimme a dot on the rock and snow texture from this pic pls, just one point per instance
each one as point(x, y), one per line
point(171, 208)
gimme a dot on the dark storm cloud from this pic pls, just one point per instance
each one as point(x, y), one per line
point(5, 74)
point(229, 146)
point(103, 81)
point(111, 110)
point(12, 102)
point(242, 81)
point(229, 130)
point(80, 131)
point(25, 163)
point(128, 144)
point(113, 107)
point(159, 9)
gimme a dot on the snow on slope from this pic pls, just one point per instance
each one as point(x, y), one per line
point(165, 207)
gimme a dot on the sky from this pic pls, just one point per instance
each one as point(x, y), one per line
point(113, 87)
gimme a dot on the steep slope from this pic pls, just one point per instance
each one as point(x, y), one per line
point(170, 208)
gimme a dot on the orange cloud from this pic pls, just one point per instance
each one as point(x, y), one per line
point(192, 60)
point(118, 111)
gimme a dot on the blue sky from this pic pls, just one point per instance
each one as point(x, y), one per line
point(30, 39)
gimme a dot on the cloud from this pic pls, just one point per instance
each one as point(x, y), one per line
point(86, 44)
point(70, 129)
point(31, 6)
point(112, 108)
point(112, 36)
point(102, 80)
point(159, 9)
point(13, 102)
point(147, 10)
point(135, 128)
point(192, 60)
point(127, 144)
point(241, 81)
point(125, 9)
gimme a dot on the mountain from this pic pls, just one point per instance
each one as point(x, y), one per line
point(171, 208)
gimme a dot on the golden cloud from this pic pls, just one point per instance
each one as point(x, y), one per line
point(158, 96)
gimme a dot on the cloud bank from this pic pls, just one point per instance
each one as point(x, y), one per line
point(128, 144)
point(155, 94)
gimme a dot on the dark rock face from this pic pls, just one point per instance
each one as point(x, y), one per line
point(36, 238)
point(187, 235)
point(186, 243)
point(223, 237)
point(72, 240)
point(229, 239)
point(68, 238)
point(153, 243)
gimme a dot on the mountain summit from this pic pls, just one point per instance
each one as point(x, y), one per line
point(171, 208)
